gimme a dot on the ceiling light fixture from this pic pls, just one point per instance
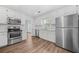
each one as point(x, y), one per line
point(38, 11)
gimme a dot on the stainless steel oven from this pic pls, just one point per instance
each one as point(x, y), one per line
point(14, 30)
point(14, 34)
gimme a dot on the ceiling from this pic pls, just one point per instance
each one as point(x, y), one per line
point(33, 10)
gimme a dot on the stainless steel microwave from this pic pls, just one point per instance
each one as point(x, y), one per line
point(14, 21)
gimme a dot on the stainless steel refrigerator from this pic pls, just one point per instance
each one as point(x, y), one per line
point(67, 32)
point(37, 32)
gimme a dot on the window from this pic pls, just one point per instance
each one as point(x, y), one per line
point(47, 23)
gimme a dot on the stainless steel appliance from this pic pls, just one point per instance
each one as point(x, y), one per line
point(14, 30)
point(14, 34)
point(37, 32)
point(14, 21)
point(67, 32)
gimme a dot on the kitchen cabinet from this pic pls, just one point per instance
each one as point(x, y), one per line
point(12, 14)
point(3, 39)
point(3, 28)
point(47, 35)
point(66, 11)
point(3, 35)
point(24, 34)
point(6, 12)
point(47, 29)
point(51, 36)
point(24, 28)
point(3, 19)
point(3, 15)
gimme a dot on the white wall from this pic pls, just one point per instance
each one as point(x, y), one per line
point(52, 15)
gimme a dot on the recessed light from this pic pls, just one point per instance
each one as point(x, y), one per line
point(38, 11)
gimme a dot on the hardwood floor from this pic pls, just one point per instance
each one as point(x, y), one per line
point(34, 45)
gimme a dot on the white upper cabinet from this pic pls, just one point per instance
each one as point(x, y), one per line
point(3, 19)
point(3, 28)
point(3, 16)
point(11, 13)
point(66, 11)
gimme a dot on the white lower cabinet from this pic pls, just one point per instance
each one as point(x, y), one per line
point(24, 35)
point(47, 35)
point(3, 39)
point(52, 36)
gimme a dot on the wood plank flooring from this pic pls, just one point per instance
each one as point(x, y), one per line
point(34, 45)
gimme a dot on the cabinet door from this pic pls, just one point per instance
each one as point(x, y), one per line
point(3, 19)
point(3, 28)
point(52, 36)
point(3, 39)
point(3, 15)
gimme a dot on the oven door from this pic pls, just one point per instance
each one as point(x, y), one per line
point(14, 35)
